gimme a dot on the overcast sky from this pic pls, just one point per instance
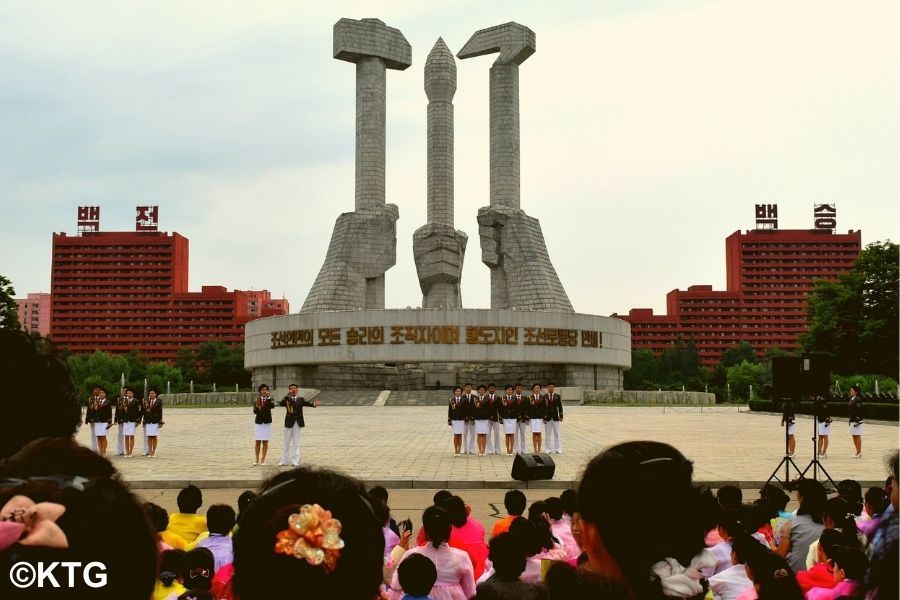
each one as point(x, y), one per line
point(649, 131)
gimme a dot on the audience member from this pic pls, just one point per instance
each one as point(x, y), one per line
point(882, 575)
point(849, 571)
point(804, 529)
point(273, 552)
point(730, 583)
point(381, 494)
point(198, 574)
point(564, 582)
point(514, 501)
point(875, 504)
point(186, 523)
point(508, 561)
point(439, 496)
point(220, 519)
point(771, 574)
point(244, 501)
point(159, 518)
point(383, 514)
point(729, 497)
point(60, 502)
point(851, 491)
point(821, 574)
point(837, 516)
point(662, 547)
point(455, 577)
point(171, 567)
point(773, 501)
point(561, 529)
point(467, 533)
point(417, 575)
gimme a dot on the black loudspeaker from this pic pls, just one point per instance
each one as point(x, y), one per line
point(798, 377)
point(528, 467)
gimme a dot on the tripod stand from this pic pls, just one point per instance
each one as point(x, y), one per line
point(815, 464)
point(787, 461)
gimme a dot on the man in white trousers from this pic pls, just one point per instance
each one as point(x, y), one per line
point(469, 408)
point(293, 422)
point(521, 419)
point(494, 431)
point(554, 418)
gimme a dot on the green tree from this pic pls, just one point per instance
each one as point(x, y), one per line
point(742, 376)
point(643, 372)
point(679, 365)
point(9, 314)
point(854, 320)
point(738, 354)
point(98, 368)
point(222, 364)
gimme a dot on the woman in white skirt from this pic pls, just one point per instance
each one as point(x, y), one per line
point(101, 417)
point(482, 420)
point(152, 420)
point(508, 413)
point(133, 410)
point(856, 419)
point(262, 427)
point(456, 419)
point(537, 411)
point(823, 424)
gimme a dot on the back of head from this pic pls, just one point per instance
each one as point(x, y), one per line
point(507, 556)
point(813, 497)
point(851, 491)
point(770, 573)
point(876, 500)
point(440, 496)
point(357, 570)
point(569, 499)
point(526, 536)
point(554, 508)
point(853, 561)
point(844, 520)
point(199, 569)
point(456, 508)
point(220, 518)
point(514, 501)
point(437, 525)
point(729, 496)
point(244, 501)
point(95, 503)
point(417, 575)
point(56, 399)
point(158, 516)
point(653, 480)
point(773, 498)
point(829, 540)
point(568, 583)
point(536, 511)
point(379, 493)
point(189, 499)
point(171, 566)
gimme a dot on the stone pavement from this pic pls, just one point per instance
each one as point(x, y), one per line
point(411, 447)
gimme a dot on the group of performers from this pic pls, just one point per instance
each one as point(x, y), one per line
point(293, 422)
point(823, 423)
point(130, 412)
point(476, 418)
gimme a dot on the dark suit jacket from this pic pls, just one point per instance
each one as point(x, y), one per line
point(153, 415)
point(133, 411)
point(554, 407)
point(103, 413)
point(456, 412)
point(294, 412)
point(263, 411)
point(537, 406)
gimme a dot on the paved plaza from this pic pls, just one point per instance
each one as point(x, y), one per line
point(411, 447)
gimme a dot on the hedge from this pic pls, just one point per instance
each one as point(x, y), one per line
point(871, 410)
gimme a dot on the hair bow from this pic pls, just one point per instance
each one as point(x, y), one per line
point(24, 522)
point(312, 534)
point(677, 581)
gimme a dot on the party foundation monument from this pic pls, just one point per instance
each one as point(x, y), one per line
point(344, 339)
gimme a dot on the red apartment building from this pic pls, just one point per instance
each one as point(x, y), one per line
point(124, 291)
point(769, 274)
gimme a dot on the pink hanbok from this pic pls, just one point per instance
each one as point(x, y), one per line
point(455, 580)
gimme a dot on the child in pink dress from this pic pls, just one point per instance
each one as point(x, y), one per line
point(455, 578)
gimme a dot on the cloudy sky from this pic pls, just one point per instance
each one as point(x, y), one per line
point(649, 131)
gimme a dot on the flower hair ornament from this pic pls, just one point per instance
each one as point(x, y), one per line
point(312, 534)
point(24, 522)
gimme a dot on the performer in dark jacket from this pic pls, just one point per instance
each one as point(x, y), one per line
point(823, 423)
point(553, 419)
point(153, 414)
point(521, 418)
point(508, 413)
point(482, 413)
point(262, 408)
point(293, 421)
point(537, 411)
point(101, 416)
point(132, 414)
point(493, 400)
point(788, 419)
point(456, 419)
point(89, 404)
point(856, 414)
point(469, 435)
point(119, 419)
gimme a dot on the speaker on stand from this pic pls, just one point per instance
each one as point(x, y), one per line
point(532, 466)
